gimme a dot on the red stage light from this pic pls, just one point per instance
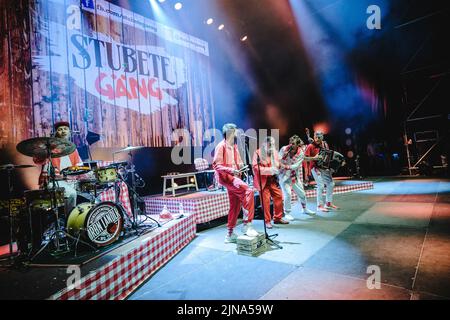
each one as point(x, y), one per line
point(321, 127)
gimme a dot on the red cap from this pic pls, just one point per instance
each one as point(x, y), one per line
point(61, 124)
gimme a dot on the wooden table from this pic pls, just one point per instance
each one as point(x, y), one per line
point(173, 187)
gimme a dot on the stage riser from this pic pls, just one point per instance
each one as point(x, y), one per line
point(208, 206)
point(117, 279)
point(338, 190)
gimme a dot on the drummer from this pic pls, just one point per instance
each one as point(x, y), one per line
point(62, 131)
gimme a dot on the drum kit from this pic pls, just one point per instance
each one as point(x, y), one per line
point(42, 220)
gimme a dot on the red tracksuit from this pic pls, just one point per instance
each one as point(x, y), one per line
point(270, 186)
point(227, 159)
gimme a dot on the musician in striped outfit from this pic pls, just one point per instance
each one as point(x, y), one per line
point(291, 175)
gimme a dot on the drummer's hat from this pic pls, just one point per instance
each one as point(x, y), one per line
point(61, 124)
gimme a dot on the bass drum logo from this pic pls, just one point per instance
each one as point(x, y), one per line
point(104, 224)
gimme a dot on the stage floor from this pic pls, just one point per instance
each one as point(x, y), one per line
point(401, 226)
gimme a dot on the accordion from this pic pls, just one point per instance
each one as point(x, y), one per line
point(330, 160)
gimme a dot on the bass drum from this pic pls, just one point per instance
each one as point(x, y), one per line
point(99, 224)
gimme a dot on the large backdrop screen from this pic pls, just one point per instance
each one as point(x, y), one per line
point(110, 71)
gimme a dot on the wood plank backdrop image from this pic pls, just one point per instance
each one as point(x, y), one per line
point(104, 69)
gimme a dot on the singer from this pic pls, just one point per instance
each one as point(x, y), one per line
point(227, 163)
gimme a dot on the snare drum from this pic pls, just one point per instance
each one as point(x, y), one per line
point(100, 224)
point(86, 185)
point(91, 186)
point(42, 199)
point(106, 174)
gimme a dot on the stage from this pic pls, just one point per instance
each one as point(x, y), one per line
point(117, 272)
point(401, 225)
point(119, 118)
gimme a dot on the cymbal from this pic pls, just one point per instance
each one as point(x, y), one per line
point(39, 147)
point(119, 164)
point(113, 165)
point(129, 148)
point(11, 166)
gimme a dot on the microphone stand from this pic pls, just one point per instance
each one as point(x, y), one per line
point(268, 237)
point(247, 152)
point(10, 216)
point(136, 210)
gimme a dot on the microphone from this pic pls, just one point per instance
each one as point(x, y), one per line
point(246, 135)
point(288, 151)
point(290, 148)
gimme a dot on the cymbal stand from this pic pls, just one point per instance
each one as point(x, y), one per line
point(136, 210)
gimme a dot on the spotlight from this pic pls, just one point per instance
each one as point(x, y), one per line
point(221, 27)
point(210, 21)
point(321, 127)
point(178, 6)
point(244, 38)
point(161, 1)
point(348, 131)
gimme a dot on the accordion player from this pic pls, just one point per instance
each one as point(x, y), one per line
point(330, 159)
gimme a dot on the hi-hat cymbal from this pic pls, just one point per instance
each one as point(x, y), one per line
point(41, 147)
point(11, 166)
point(129, 148)
point(118, 164)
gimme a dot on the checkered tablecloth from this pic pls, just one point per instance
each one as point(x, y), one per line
point(124, 197)
point(118, 278)
point(206, 206)
point(338, 189)
point(110, 194)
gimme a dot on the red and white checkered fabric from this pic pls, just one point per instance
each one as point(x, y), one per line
point(206, 206)
point(201, 164)
point(338, 189)
point(124, 197)
point(121, 276)
point(110, 194)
